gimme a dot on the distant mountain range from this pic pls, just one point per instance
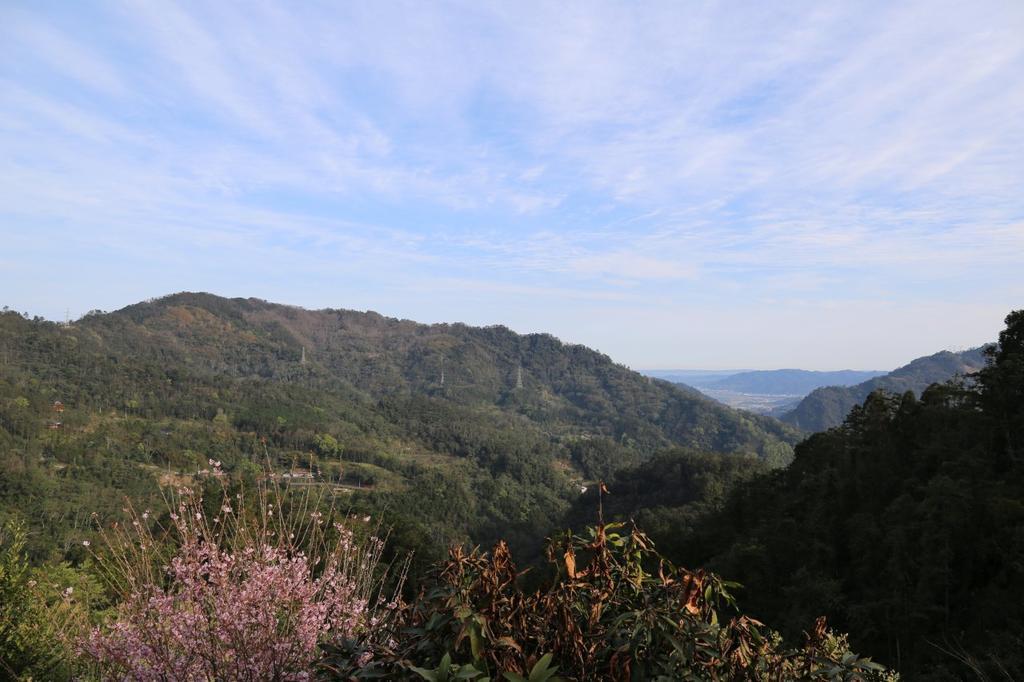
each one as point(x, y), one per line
point(761, 391)
point(693, 377)
point(828, 406)
point(817, 401)
point(788, 381)
point(796, 382)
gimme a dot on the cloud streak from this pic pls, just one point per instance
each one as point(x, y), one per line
point(666, 158)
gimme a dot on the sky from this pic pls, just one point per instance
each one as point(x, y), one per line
point(822, 185)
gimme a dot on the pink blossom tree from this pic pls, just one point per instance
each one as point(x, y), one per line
point(243, 594)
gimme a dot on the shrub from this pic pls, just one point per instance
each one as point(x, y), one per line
point(615, 610)
point(38, 613)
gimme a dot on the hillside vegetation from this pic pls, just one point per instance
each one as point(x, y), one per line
point(492, 431)
point(828, 406)
point(903, 525)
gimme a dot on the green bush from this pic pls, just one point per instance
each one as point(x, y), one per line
point(614, 609)
point(39, 614)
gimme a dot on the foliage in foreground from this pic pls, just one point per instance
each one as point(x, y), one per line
point(40, 609)
point(614, 610)
point(273, 590)
point(25, 647)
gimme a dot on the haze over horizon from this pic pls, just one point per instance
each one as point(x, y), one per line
point(701, 187)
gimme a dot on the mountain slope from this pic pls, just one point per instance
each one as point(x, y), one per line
point(904, 527)
point(489, 430)
point(827, 407)
point(568, 388)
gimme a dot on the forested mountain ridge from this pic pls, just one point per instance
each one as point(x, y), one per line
point(496, 448)
point(563, 386)
point(828, 406)
point(904, 525)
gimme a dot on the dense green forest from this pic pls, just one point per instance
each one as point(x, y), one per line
point(828, 406)
point(492, 431)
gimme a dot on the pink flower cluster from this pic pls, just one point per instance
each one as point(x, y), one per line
point(241, 605)
point(250, 616)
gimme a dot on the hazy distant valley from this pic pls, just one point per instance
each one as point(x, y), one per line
point(770, 392)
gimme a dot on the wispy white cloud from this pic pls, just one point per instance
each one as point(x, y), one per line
point(65, 55)
point(707, 153)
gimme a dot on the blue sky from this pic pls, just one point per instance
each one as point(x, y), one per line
point(688, 184)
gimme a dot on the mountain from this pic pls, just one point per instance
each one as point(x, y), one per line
point(491, 431)
point(904, 526)
point(787, 381)
point(828, 406)
point(565, 386)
